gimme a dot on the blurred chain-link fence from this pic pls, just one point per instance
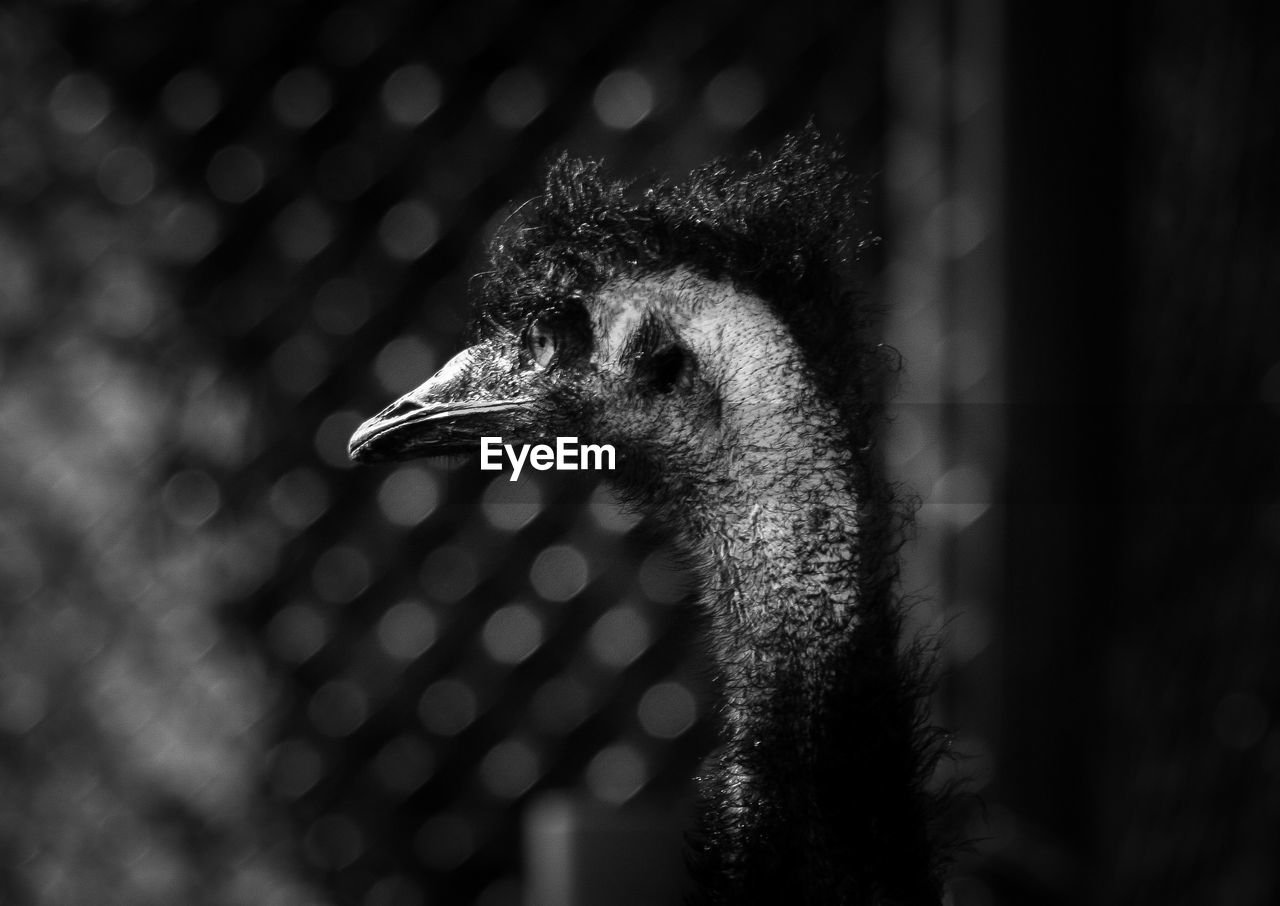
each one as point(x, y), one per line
point(235, 670)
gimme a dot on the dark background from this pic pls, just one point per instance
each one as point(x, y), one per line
point(235, 670)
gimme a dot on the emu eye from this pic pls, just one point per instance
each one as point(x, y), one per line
point(540, 343)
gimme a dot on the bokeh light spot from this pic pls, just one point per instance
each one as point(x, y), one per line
point(734, 97)
point(303, 229)
point(235, 174)
point(301, 97)
point(299, 497)
point(296, 633)
point(617, 773)
point(340, 574)
point(349, 35)
point(295, 768)
point(22, 570)
point(341, 306)
point(609, 513)
point(404, 764)
point(79, 103)
point(24, 167)
point(126, 175)
point(624, 99)
point(667, 710)
point(907, 437)
point(960, 495)
point(409, 229)
point(559, 572)
point(502, 892)
point(333, 436)
point(968, 632)
point(447, 707)
point(411, 94)
point(516, 97)
point(661, 578)
point(560, 705)
point(395, 890)
point(300, 363)
point(404, 363)
point(620, 636)
point(23, 703)
point(333, 842)
point(124, 298)
point(510, 768)
point(407, 629)
point(445, 841)
point(190, 497)
point(448, 573)
point(191, 99)
point(512, 633)
point(511, 505)
point(338, 708)
point(408, 495)
point(189, 230)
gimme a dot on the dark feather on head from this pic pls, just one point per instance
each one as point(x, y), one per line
point(782, 228)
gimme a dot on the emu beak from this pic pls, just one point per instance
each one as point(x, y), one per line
point(447, 414)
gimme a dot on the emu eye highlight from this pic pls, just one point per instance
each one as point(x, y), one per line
point(540, 343)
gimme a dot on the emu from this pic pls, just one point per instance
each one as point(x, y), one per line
point(703, 328)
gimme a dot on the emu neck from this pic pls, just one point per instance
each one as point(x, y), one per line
point(787, 526)
point(816, 798)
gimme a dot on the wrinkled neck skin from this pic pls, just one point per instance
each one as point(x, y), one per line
point(769, 509)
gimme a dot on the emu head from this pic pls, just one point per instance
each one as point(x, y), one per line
point(657, 323)
point(649, 365)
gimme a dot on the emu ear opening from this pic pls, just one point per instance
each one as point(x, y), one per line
point(666, 369)
point(661, 362)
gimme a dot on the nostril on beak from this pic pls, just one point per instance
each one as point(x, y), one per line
point(400, 407)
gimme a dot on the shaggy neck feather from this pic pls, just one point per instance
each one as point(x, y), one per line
point(813, 800)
